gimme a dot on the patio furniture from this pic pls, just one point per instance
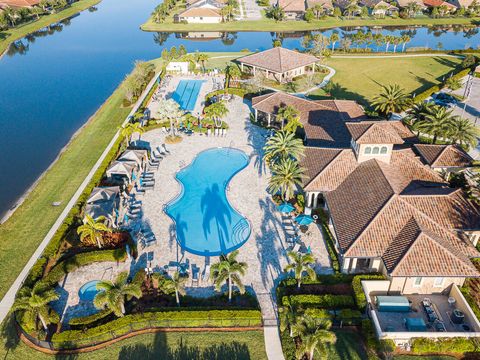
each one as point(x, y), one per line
point(415, 324)
point(296, 247)
point(195, 273)
point(285, 208)
point(206, 273)
point(392, 304)
point(457, 317)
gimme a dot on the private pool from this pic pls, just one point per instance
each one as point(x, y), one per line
point(186, 93)
point(88, 290)
point(205, 222)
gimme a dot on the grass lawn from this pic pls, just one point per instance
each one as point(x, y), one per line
point(10, 35)
point(299, 84)
point(271, 25)
point(361, 79)
point(217, 60)
point(426, 357)
point(172, 346)
point(22, 233)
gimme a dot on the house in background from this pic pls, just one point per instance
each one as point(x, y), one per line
point(279, 64)
point(326, 5)
point(199, 15)
point(443, 6)
point(407, 4)
point(19, 3)
point(293, 9)
point(380, 8)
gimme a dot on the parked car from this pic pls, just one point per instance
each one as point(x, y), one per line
point(444, 99)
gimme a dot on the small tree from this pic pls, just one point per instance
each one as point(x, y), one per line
point(392, 99)
point(283, 145)
point(290, 316)
point(169, 110)
point(230, 270)
point(286, 175)
point(288, 113)
point(314, 335)
point(175, 285)
point(92, 229)
point(301, 263)
point(129, 129)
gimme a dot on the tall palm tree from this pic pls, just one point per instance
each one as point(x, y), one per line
point(464, 133)
point(201, 58)
point(232, 72)
point(417, 113)
point(286, 174)
point(453, 83)
point(129, 129)
point(290, 317)
point(169, 110)
point(437, 123)
point(230, 270)
point(301, 263)
point(112, 294)
point(288, 113)
point(405, 39)
point(33, 302)
point(333, 40)
point(175, 284)
point(92, 229)
point(216, 110)
point(392, 99)
point(283, 145)
point(314, 336)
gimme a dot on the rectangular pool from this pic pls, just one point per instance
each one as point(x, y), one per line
point(186, 93)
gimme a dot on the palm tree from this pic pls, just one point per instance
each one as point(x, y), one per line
point(112, 294)
point(288, 113)
point(129, 129)
point(453, 83)
point(437, 123)
point(417, 113)
point(464, 133)
point(392, 99)
point(314, 336)
point(286, 174)
point(405, 39)
point(170, 110)
point(228, 269)
point(92, 229)
point(33, 302)
point(216, 110)
point(232, 72)
point(201, 58)
point(175, 284)
point(301, 263)
point(290, 317)
point(283, 145)
point(333, 40)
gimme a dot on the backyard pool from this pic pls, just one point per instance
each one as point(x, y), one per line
point(205, 222)
point(186, 93)
point(88, 290)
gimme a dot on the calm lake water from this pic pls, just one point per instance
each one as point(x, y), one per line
point(51, 82)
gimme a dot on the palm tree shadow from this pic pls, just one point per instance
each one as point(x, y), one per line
point(256, 140)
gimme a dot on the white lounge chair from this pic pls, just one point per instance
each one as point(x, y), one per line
point(206, 273)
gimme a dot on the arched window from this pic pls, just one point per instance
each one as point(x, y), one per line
point(375, 150)
point(383, 150)
point(368, 150)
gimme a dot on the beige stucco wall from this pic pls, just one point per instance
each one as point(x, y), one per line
point(406, 285)
point(201, 20)
point(361, 156)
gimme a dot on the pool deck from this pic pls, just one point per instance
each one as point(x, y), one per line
point(264, 252)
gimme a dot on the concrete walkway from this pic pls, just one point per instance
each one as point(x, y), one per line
point(252, 10)
point(273, 345)
point(9, 297)
point(325, 81)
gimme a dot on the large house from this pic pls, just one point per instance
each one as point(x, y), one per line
point(279, 64)
point(326, 5)
point(389, 210)
point(293, 9)
point(199, 15)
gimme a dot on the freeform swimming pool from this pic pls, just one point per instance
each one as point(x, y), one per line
point(206, 224)
point(88, 290)
point(186, 93)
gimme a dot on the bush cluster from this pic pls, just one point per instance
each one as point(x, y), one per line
point(232, 91)
point(455, 345)
point(331, 247)
point(84, 321)
point(360, 298)
point(215, 318)
point(321, 301)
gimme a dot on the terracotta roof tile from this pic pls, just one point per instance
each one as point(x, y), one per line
point(443, 155)
point(326, 4)
point(204, 12)
point(292, 5)
point(374, 132)
point(315, 161)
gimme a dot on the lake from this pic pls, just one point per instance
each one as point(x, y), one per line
point(52, 81)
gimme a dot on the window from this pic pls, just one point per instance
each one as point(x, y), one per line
point(375, 150)
point(417, 281)
point(438, 282)
point(383, 150)
point(368, 150)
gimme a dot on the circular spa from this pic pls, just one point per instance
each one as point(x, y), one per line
point(88, 290)
point(205, 222)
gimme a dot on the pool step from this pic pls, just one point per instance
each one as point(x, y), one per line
point(240, 231)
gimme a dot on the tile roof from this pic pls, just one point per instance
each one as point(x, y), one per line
point(278, 59)
point(386, 5)
point(18, 3)
point(203, 12)
point(326, 4)
point(374, 132)
point(292, 5)
point(437, 3)
point(443, 155)
point(404, 3)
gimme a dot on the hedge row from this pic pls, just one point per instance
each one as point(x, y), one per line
point(121, 326)
point(360, 298)
point(321, 279)
point(451, 345)
point(232, 91)
point(76, 261)
point(331, 247)
point(321, 301)
point(84, 321)
point(436, 88)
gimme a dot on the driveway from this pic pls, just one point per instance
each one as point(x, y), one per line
point(252, 10)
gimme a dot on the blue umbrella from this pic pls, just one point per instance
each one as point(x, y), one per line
point(304, 219)
point(285, 208)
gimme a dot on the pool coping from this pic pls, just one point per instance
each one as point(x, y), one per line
point(182, 189)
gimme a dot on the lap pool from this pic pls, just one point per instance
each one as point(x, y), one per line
point(205, 222)
point(186, 93)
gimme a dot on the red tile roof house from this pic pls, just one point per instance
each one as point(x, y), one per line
point(18, 3)
point(293, 9)
point(279, 64)
point(445, 7)
point(389, 212)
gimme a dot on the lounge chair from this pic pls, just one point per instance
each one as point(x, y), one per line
point(165, 148)
point(164, 130)
point(206, 273)
point(153, 165)
point(296, 247)
point(195, 277)
point(156, 155)
point(161, 151)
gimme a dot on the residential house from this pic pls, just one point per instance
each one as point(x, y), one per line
point(462, 3)
point(199, 15)
point(408, 4)
point(18, 3)
point(379, 8)
point(212, 4)
point(293, 9)
point(443, 6)
point(388, 211)
point(444, 158)
point(326, 5)
point(279, 64)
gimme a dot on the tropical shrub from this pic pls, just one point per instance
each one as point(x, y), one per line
point(36, 272)
point(360, 298)
point(455, 345)
point(84, 321)
point(320, 301)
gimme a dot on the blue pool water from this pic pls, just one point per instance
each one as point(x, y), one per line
point(88, 290)
point(186, 93)
point(206, 224)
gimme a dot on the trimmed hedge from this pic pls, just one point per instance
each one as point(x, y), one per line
point(451, 345)
point(36, 272)
point(319, 313)
point(71, 339)
point(320, 301)
point(232, 91)
point(331, 247)
point(436, 88)
point(82, 259)
point(322, 279)
point(360, 298)
point(83, 321)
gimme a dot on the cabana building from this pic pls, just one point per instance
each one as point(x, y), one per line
point(140, 157)
point(104, 201)
point(279, 64)
point(122, 172)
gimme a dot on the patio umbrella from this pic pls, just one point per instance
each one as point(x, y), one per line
point(285, 208)
point(304, 219)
